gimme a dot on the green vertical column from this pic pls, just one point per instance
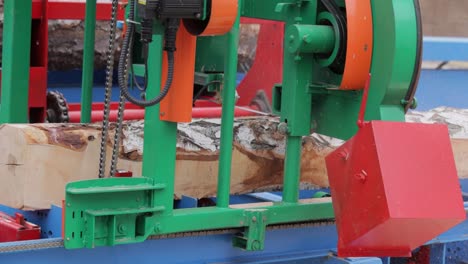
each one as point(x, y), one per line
point(16, 61)
point(292, 170)
point(227, 118)
point(159, 155)
point(88, 61)
point(296, 98)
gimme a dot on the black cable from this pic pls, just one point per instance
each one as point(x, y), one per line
point(170, 46)
point(203, 89)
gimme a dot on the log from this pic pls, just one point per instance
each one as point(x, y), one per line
point(37, 160)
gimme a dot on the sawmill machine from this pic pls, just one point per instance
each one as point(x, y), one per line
point(350, 71)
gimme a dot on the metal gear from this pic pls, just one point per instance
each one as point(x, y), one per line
point(57, 108)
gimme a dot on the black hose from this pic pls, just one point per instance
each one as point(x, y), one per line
point(170, 38)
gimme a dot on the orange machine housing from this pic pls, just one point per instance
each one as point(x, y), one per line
point(177, 106)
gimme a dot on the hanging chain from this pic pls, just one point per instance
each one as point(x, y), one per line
point(120, 114)
point(108, 89)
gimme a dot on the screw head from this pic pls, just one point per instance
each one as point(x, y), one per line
point(122, 229)
point(344, 154)
point(361, 176)
point(256, 245)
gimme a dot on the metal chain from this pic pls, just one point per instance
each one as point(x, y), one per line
point(30, 245)
point(118, 131)
point(120, 113)
point(108, 94)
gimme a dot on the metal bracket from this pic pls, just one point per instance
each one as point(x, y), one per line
point(253, 238)
point(109, 211)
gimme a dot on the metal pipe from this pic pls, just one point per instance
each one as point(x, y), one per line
point(138, 114)
point(292, 169)
point(227, 118)
point(88, 61)
point(16, 55)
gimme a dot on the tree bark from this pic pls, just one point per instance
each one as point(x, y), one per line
point(36, 161)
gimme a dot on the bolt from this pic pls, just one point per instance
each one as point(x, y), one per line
point(307, 39)
point(283, 128)
point(256, 245)
point(344, 154)
point(138, 199)
point(291, 38)
point(361, 176)
point(162, 114)
point(198, 15)
point(68, 239)
point(297, 58)
point(254, 219)
point(68, 204)
point(157, 229)
point(122, 229)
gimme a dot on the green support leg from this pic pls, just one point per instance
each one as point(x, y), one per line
point(292, 170)
point(15, 65)
point(160, 145)
point(229, 100)
point(88, 61)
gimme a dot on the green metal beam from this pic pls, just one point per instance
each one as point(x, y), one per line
point(88, 61)
point(16, 61)
point(159, 148)
point(227, 119)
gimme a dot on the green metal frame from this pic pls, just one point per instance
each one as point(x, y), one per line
point(127, 210)
point(15, 61)
point(88, 61)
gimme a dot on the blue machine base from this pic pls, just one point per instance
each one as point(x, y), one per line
point(297, 245)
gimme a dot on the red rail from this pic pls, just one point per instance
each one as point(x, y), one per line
point(72, 9)
point(135, 113)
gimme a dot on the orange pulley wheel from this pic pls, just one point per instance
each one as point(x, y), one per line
point(359, 44)
point(221, 16)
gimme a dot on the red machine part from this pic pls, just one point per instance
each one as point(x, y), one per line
point(383, 182)
point(17, 229)
point(133, 112)
point(123, 174)
point(267, 69)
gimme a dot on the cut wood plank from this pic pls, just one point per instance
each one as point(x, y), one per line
point(37, 161)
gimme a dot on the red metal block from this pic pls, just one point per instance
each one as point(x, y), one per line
point(17, 229)
point(123, 174)
point(394, 187)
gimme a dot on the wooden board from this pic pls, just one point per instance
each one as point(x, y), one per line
point(36, 161)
